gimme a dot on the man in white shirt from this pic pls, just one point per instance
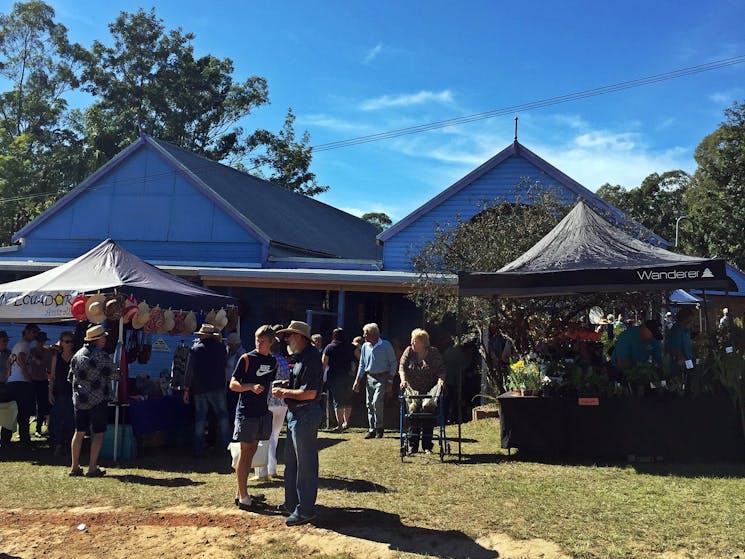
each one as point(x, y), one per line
point(19, 383)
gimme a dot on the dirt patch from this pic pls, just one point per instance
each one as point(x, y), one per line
point(219, 534)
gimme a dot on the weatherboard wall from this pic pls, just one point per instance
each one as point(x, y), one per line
point(500, 183)
point(152, 209)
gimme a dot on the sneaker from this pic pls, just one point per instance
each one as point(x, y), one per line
point(282, 509)
point(296, 520)
point(370, 435)
point(379, 433)
point(427, 451)
point(98, 472)
point(76, 473)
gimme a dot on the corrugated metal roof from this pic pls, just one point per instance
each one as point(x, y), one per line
point(287, 218)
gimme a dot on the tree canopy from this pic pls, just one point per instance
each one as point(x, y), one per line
point(144, 78)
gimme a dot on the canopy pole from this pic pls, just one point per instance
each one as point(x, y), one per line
point(118, 361)
point(460, 379)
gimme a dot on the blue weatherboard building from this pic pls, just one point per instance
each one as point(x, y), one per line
point(284, 255)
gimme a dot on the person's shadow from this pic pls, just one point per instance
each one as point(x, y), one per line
point(384, 527)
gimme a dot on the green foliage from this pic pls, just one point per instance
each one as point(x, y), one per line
point(378, 219)
point(714, 200)
point(656, 203)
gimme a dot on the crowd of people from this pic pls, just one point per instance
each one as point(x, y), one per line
point(249, 395)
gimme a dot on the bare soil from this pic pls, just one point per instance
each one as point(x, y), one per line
point(217, 534)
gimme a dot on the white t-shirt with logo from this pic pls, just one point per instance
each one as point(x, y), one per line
point(16, 374)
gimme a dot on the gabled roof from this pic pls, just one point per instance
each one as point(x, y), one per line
point(516, 149)
point(288, 219)
point(278, 217)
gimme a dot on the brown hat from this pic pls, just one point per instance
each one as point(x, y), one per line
point(207, 330)
point(297, 327)
point(95, 333)
point(113, 307)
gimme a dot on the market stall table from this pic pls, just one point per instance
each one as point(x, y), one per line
point(702, 427)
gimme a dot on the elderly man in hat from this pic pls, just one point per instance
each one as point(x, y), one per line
point(204, 382)
point(92, 371)
point(301, 394)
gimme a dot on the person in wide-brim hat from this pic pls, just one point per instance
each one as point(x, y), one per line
point(297, 327)
point(95, 333)
point(207, 330)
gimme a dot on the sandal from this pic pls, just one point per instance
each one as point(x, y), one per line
point(76, 473)
point(98, 472)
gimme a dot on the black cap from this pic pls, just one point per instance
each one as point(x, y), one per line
point(3, 335)
point(654, 327)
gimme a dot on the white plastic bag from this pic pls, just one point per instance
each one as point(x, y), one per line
point(261, 457)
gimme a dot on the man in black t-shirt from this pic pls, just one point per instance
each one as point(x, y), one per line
point(252, 379)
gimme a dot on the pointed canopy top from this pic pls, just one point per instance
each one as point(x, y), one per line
point(108, 266)
point(586, 254)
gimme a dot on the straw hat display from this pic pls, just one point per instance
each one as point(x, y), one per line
point(232, 315)
point(113, 307)
point(155, 322)
point(178, 323)
point(168, 322)
point(142, 316)
point(190, 324)
point(221, 319)
point(77, 308)
point(95, 309)
point(210, 318)
point(130, 309)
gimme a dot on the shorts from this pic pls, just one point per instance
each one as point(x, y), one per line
point(253, 429)
point(96, 418)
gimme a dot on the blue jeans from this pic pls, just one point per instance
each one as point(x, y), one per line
point(301, 459)
point(375, 400)
point(202, 404)
point(61, 421)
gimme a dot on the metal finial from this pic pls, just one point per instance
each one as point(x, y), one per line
point(515, 129)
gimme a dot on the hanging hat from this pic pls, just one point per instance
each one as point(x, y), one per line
point(77, 308)
point(208, 330)
point(221, 319)
point(95, 309)
point(210, 318)
point(142, 316)
point(297, 327)
point(113, 307)
point(168, 322)
point(232, 314)
point(190, 323)
point(155, 322)
point(178, 323)
point(94, 333)
point(130, 309)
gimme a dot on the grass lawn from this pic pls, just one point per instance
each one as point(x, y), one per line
point(603, 511)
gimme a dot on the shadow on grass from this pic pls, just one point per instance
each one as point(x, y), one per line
point(492, 458)
point(735, 470)
point(351, 485)
point(6, 556)
point(157, 482)
point(387, 528)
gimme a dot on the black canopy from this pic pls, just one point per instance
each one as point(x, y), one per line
point(586, 254)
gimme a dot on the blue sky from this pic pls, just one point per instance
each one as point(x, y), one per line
point(351, 68)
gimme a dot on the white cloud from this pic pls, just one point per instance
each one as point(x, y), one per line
point(727, 97)
point(373, 53)
point(407, 100)
point(333, 123)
